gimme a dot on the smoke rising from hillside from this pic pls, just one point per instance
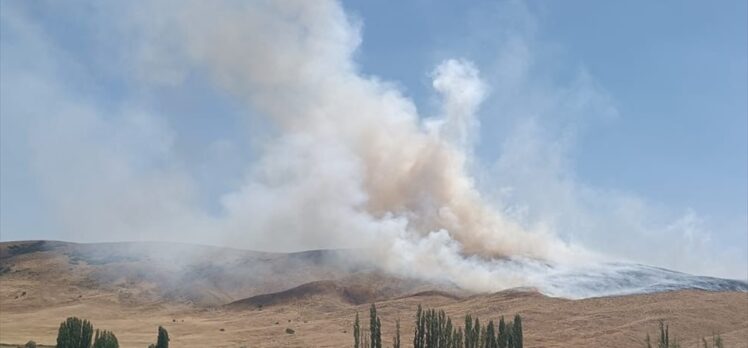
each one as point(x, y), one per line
point(352, 161)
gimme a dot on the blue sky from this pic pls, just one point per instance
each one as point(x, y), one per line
point(613, 122)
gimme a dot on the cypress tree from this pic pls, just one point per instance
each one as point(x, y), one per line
point(374, 328)
point(457, 338)
point(718, 343)
point(356, 332)
point(509, 336)
point(482, 337)
point(163, 338)
point(379, 333)
point(476, 333)
point(418, 335)
point(517, 332)
point(502, 340)
point(664, 336)
point(468, 331)
point(74, 333)
point(396, 343)
point(490, 339)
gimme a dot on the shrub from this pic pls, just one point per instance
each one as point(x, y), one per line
point(30, 344)
point(290, 331)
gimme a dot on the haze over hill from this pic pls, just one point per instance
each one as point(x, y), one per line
point(214, 276)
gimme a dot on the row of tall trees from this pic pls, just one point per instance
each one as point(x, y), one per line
point(79, 333)
point(435, 329)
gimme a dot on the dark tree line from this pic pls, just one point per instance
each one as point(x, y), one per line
point(435, 329)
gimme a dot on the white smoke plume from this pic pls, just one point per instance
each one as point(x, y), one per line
point(352, 161)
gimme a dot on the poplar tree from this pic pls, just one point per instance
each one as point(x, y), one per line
point(74, 333)
point(502, 340)
point(664, 336)
point(396, 343)
point(375, 328)
point(457, 341)
point(163, 338)
point(357, 333)
point(490, 339)
point(468, 331)
point(419, 334)
point(105, 339)
point(510, 336)
point(476, 333)
point(517, 332)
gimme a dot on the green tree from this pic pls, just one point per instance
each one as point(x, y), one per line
point(503, 334)
point(105, 339)
point(396, 340)
point(468, 331)
point(510, 336)
point(375, 326)
point(74, 333)
point(490, 339)
point(718, 342)
point(163, 338)
point(357, 333)
point(517, 332)
point(664, 336)
point(30, 344)
point(476, 333)
point(457, 341)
